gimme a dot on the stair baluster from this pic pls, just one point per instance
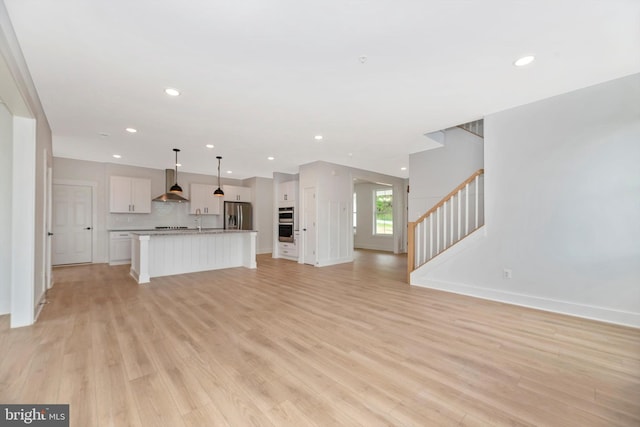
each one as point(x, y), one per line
point(425, 243)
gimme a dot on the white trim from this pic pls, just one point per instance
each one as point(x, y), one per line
point(333, 262)
point(40, 305)
point(539, 303)
point(94, 209)
point(373, 247)
point(23, 222)
point(546, 304)
point(49, 213)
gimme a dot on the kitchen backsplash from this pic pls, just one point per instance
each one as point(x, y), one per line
point(162, 215)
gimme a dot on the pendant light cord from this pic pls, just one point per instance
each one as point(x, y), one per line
point(176, 150)
point(218, 191)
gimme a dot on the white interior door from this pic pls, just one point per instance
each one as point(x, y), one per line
point(309, 225)
point(48, 188)
point(72, 214)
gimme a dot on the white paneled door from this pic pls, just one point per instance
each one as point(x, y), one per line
point(309, 226)
point(72, 228)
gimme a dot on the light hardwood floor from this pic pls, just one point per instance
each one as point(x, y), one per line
point(288, 344)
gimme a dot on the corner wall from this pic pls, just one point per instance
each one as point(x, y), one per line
point(562, 187)
point(333, 186)
point(436, 172)
point(334, 236)
point(6, 174)
point(30, 159)
point(262, 200)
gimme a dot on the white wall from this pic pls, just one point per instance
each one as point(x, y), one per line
point(30, 158)
point(436, 172)
point(23, 219)
point(364, 237)
point(263, 218)
point(562, 190)
point(6, 173)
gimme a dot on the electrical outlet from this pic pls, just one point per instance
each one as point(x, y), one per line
point(506, 273)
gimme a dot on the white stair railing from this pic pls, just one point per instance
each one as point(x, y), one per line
point(456, 216)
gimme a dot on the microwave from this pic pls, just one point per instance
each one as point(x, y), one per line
point(285, 215)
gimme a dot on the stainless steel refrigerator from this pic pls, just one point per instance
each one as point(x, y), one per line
point(238, 216)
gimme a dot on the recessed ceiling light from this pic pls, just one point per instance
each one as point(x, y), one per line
point(209, 145)
point(271, 158)
point(131, 130)
point(117, 156)
point(229, 172)
point(403, 168)
point(171, 91)
point(178, 164)
point(318, 137)
point(525, 60)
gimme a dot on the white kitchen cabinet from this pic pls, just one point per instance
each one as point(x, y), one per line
point(129, 195)
point(288, 250)
point(201, 197)
point(234, 193)
point(119, 247)
point(287, 191)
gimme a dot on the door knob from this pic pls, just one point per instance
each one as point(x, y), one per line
point(304, 229)
point(88, 228)
point(49, 233)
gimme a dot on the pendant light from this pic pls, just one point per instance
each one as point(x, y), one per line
point(218, 192)
point(175, 188)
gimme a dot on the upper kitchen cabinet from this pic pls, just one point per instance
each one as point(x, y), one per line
point(202, 198)
point(288, 191)
point(236, 194)
point(129, 195)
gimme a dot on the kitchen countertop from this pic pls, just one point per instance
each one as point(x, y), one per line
point(131, 230)
point(187, 231)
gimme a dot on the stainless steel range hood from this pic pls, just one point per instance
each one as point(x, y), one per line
point(170, 196)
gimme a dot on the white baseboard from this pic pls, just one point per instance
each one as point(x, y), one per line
point(334, 262)
point(384, 248)
point(41, 302)
point(545, 304)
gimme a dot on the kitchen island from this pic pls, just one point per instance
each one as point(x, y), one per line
point(164, 253)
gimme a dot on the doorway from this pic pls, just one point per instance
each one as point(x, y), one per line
point(72, 240)
point(373, 215)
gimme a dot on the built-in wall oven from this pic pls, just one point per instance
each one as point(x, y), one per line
point(285, 224)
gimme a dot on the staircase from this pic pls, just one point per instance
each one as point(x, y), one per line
point(476, 127)
point(457, 215)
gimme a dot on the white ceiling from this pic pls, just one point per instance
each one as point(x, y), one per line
point(262, 77)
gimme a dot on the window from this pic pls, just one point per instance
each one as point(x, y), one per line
point(383, 212)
